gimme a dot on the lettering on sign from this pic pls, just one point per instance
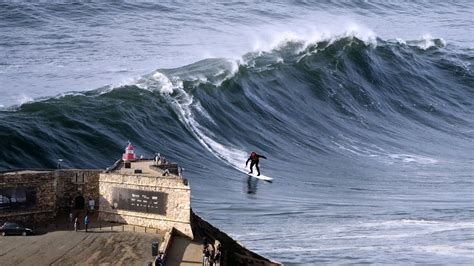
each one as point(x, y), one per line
point(139, 200)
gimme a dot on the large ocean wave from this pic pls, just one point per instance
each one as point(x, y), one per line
point(339, 96)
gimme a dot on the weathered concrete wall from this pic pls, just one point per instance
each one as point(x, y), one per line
point(74, 183)
point(55, 190)
point(177, 206)
point(44, 184)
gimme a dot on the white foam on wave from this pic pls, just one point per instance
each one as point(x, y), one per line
point(422, 225)
point(464, 250)
point(23, 98)
point(374, 151)
point(159, 82)
point(275, 38)
point(71, 93)
point(396, 230)
point(411, 158)
point(185, 105)
point(405, 237)
point(400, 41)
point(106, 89)
point(425, 42)
point(226, 74)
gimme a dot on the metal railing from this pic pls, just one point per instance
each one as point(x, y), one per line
point(94, 226)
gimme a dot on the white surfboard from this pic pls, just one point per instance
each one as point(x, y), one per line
point(262, 177)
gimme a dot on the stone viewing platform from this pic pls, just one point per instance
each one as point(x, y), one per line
point(136, 193)
point(150, 197)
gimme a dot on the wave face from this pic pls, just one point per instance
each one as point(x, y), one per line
point(342, 97)
point(360, 137)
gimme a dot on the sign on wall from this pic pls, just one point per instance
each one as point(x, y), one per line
point(17, 198)
point(139, 200)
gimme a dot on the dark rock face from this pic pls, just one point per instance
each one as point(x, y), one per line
point(232, 252)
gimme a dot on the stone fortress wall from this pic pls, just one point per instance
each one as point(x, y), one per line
point(170, 198)
point(37, 196)
point(60, 191)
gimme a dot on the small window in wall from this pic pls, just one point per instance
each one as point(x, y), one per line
point(79, 178)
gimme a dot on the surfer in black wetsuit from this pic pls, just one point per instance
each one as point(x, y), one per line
point(254, 161)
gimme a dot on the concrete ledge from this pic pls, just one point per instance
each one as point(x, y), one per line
point(167, 239)
point(138, 185)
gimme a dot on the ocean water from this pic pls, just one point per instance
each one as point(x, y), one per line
point(364, 109)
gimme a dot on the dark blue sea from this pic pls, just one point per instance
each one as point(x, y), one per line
point(364, 109)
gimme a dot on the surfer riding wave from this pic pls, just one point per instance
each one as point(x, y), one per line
point(254, 159)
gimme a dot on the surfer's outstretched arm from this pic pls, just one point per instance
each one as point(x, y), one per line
point(247, 162)
point(261, 156)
